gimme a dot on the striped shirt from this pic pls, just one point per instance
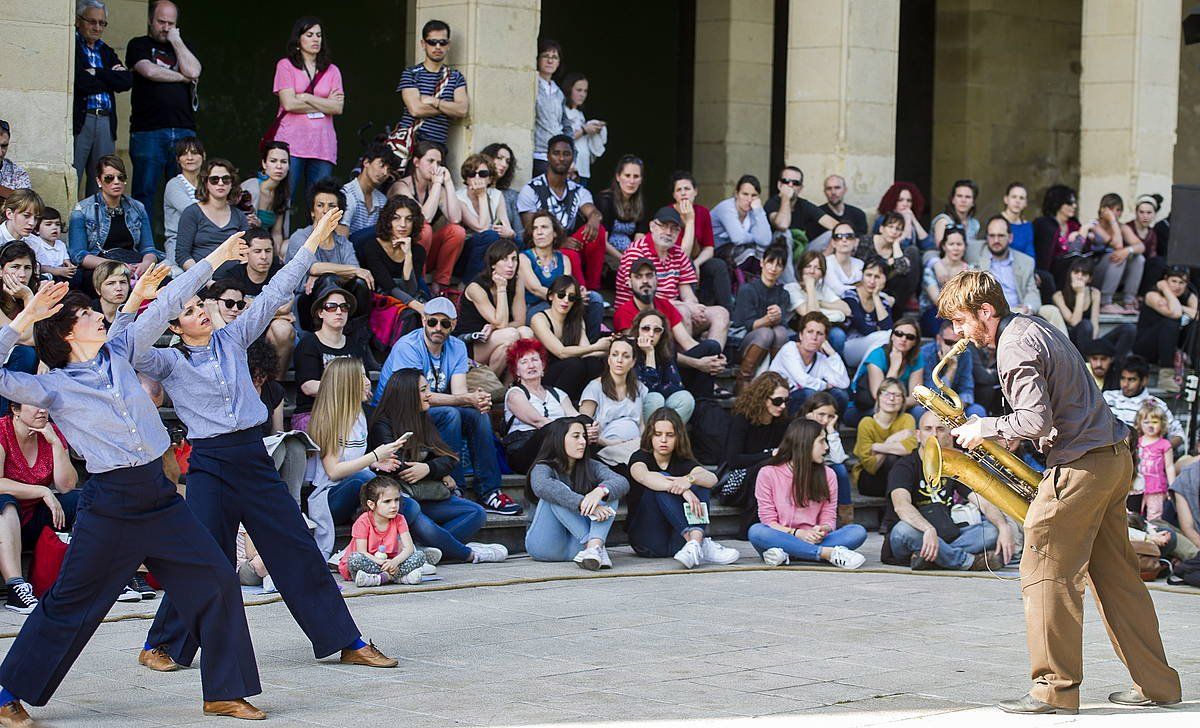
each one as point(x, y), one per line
point(437, 127)
point(672, 269)
point(101, 100)
point(357, 216)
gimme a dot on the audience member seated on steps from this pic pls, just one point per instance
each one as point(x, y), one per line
point(529, 405)
point(1185, 494)
point(842, 269)
point(904, 267)
point(364, 198)
point(331, 310)
point(959, 212)
point(485, 215)
point(397, 265)
point(575, 499)
point(760, 314)
point(1079, 304)
point(958, 374)
point(492, 316)
point(339, 429)
point(870, 313)
point(336, 261)
point(1104, 365)
point(656, 367)
point(180, 191)
point(432, 185)
point(271, 192)
point(906, 199)
point(700, 361)
point(740, 227)
point(51, 250)
point(381, 547)
point(795, 217)
point(436, 511)
point(110, 225)
point(223, 301)
point(1122, 267)
point(883, 438)
point(1014, 271)
point(574, 358)
point(260, 267)
point(37, 491)
point(923, 530)
point(615, 402)
point(672, 511)
point(505, 166)
point(950, 262)
point(822, 409)
point(899, 358)
point(623, 208)
point(544, 263)
point(1167, 314)
point(460, 415)
point(111, 281)
point(811, 294)
point(1134, 392)
point(19, 220)
point(810, 365)
point(214, 217)
point(759, 420)
point(797, 497)
point(290, 453)
point(17, 285)
point(715, 287)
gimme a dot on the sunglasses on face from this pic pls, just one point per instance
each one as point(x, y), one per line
point(332, 306)
point(108, 179)
point(481, 173)
point(792, 182)
point(903, 335)
point(220, 179)
point(570, 297)
point(777, 401)
point(439, 323)
point(844, 236)
point(234, 303)
point(439, 42)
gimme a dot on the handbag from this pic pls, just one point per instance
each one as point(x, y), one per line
point(426, 490)
point(386, 319)
point(938, 516)
point(273, 129)
point(49, 552)
point(402, 140)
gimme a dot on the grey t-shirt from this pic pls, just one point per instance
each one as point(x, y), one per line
point(1187, 484)
point(197, 236)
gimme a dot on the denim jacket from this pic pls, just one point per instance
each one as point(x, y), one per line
point(88, 228)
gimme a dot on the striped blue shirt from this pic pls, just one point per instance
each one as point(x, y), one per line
point(437, 127)
point(101, 100)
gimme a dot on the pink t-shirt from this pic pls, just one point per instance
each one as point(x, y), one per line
point(310, 138)
point(364, 527)
point(777, 500)
point(1152, 464)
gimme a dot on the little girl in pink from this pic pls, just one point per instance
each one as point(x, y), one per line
point(1156, 462)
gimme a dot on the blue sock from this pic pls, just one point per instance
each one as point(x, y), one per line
point(13, 581)
point(6, 697)
point(147, 647)
point(357, 644)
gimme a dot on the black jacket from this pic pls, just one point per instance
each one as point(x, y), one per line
point(104, 81)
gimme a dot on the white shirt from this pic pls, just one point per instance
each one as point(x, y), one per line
point(837, 280)
point(825, 372)
point(49, 254)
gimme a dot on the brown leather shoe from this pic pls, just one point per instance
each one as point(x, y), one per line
point(370, 656)
point(981, 562)
point(158, 660)
point(13, 715)
point(233, 709)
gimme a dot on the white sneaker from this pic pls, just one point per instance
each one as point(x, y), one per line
point(775, 557)
point(412, 577)
point(428, 569)
point(433, 556)
point(488, 552)
point(129, 594)
point(844, 558)
point(605, 560)
point(589, 559)
point(712, 552)
point(690, 555)
point(268, 585)
point(363, 579)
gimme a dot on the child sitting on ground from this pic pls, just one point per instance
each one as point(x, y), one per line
point(381, 548)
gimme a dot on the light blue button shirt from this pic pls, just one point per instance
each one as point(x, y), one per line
point(210, 386)
point(99, 404)
point(1002, 268)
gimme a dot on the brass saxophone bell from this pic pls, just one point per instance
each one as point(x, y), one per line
point(931, 462)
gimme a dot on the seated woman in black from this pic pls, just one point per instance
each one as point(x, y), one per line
point(759, 420)
point(331, 310)
point(492, 311)
point(396, 265)
point(574, 361)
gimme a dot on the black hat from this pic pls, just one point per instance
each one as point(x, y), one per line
point(1100, 347)
point(641, 263)
point(668, 214)
point(324, 292)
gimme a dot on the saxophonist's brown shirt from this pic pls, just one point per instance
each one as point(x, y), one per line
point(1054, 399)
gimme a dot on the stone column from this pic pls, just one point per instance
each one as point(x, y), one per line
point(494, 44)
point(732, 120)
point(36, 69)
point(841, 95)
point(1129, 94)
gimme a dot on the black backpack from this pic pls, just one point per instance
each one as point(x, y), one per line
point(710, 427)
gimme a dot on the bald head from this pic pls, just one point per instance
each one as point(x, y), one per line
point(932, 426)
point(163, 18)
point(835, 189)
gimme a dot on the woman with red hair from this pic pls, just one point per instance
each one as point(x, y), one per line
point(529, 405)
point(905, 198)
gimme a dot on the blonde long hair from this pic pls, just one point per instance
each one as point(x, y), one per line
point(339, 403)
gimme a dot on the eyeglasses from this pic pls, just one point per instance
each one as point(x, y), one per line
point(903, 335)
point(570, 297)
point(892, 394)
point(108, 179)
point(480, 173)
point(95, 23)
point(240, 305)
point(792, 182)
point(844, 236)
point(220, 179)
point(332, 306)
point(651, 329)
point(439, 42)
point(777, 401)
point(439, 323)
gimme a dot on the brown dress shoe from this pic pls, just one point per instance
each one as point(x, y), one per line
point(13, 715)
point(233, 709)
point(369, 656)
point(158, 660)
point(980, 563)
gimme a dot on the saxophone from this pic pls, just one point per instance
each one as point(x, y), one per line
point(990, 469)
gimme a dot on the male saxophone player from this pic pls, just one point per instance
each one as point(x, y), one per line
point(1076, 524)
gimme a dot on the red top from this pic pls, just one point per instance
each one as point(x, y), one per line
point(18, 469)
point(624, 314)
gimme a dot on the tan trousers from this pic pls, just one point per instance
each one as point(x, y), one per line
point(1076, 528)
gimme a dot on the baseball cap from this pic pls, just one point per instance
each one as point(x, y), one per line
point(441, 305)
point(667, 213)
point(641, 263)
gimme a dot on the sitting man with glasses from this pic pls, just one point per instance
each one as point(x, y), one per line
point(458, 414)
point(790, 213)
point(1014, 271)
point(959, 374)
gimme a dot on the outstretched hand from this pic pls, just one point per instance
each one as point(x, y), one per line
point(323, 228)
point(147, 285)
point(234, 248)
point(44, 303)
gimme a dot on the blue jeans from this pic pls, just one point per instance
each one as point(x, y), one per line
point(656, 528)
point(968, 410)
point(797, 397)
point(843, 479)
point(455, 423)
point(343, 497)
point(906, 541)
point(22, 359)
point(593, 314)
point(303, 174)
point(837, 338)
point(153, 155)
point(470, 261)
point(763, 537)
point(683, 402)
point(445, 524)
point(557, 533)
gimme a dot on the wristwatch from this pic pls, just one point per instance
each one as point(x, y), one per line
point(691, 479)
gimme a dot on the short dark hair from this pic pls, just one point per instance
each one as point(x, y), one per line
point(380, 150)
point(224, 285)
point(327, 186)
point(49, 213)
point(795, 169)
point(748, 179)
point(258, 233)
point(1137, 365)
point(1055, 197)
point(429, 27)
point(50, 334)
point(777, 253)
point(812, 316)
point(561, 139)
point(109, 160)
point(682, 174)
point(1001, 218)
point(186, 144)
